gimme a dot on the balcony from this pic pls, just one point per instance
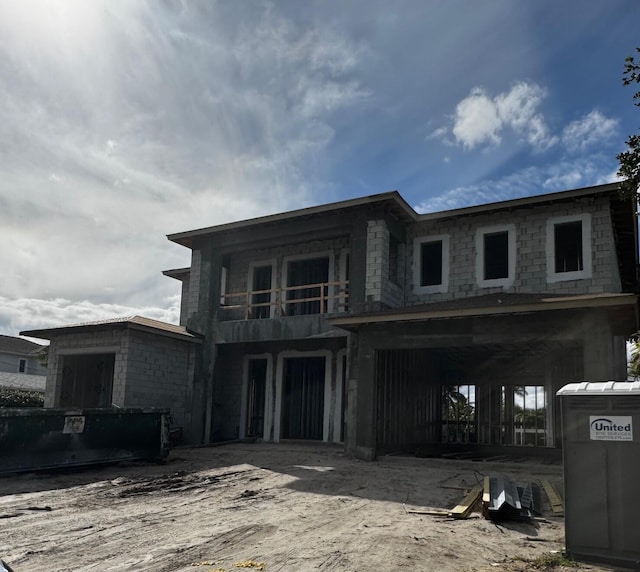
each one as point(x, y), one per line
point(308, 299)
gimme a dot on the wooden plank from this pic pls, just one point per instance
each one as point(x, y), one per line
point(557, 506)
point(486, 495)
point(463, 510)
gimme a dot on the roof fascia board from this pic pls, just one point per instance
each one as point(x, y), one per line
point(564, 304)
point(188, 337)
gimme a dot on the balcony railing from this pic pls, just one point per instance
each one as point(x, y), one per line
point(307, 299)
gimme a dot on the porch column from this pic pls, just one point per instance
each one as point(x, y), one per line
point(360, 440)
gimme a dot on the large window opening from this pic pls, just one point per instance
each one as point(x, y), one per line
point(459, 423)
point(303, 398)
point(524, 415)
point(261, 287)
point(256, 395)
point(568, 247)
point(313, 299)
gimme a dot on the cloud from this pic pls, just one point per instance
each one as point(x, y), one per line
point(590, 130)
point(549, 178)
point(122, 122)
point(31, 313)
point(481, 120)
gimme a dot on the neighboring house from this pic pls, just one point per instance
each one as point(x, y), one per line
point(364, 323)
point(20, 356)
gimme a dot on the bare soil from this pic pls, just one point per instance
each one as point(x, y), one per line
point(291, 507)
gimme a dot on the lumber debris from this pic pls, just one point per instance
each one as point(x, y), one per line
point(557, 506)
point(465, 508)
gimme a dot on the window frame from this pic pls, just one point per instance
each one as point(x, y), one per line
point(417, 264)
point(508, 281)
point(587, 267)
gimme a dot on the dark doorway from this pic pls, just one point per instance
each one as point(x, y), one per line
point(303, 398)
point(256, 390)
point(87, 380)
point(261, 281)
point(301, 273)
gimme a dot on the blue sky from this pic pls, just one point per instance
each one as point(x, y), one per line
point(124, 121)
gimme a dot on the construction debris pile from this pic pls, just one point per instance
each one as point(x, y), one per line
point(499, 498)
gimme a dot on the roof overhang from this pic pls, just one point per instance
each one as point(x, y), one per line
point(543, 304)
point(392, 201)
point(138, 323)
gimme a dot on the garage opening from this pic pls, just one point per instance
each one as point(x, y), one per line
point(303, 398)
point(87, 380)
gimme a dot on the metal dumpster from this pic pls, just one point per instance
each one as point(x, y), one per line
point(601, 456)
point(34, 439)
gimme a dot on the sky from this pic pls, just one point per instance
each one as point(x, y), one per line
point(122, 121)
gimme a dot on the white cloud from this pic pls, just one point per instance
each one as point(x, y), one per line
point(481, 119)
point(553, 177)
point(477, 120)
point(588, 131)
point(32, 313)
point(124, 122)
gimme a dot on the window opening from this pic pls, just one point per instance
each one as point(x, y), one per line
point(496, 255)
point(261, 302)
point(459, 414)
point(256, 392)
point(524, 415)
point(568, 246)
point(22, 366)
point(301, 273)
point(431, 263)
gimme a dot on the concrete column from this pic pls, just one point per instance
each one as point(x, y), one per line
point(206, 301)
point(357, 265)
point(360, 440)
point(598, 348)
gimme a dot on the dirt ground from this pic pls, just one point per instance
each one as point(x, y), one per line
point(285, 507)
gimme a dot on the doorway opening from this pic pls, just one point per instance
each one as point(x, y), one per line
point(303, 398)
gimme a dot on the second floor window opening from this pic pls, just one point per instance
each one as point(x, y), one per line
point(312, 272)
point(431, 263)
point(496, 255)
point(568, 247)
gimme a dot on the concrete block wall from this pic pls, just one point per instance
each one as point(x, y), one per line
point(194, 285)
point(380, 290)
point(160, 374)
point(531, 263)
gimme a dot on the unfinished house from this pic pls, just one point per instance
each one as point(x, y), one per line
point(364, 323)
